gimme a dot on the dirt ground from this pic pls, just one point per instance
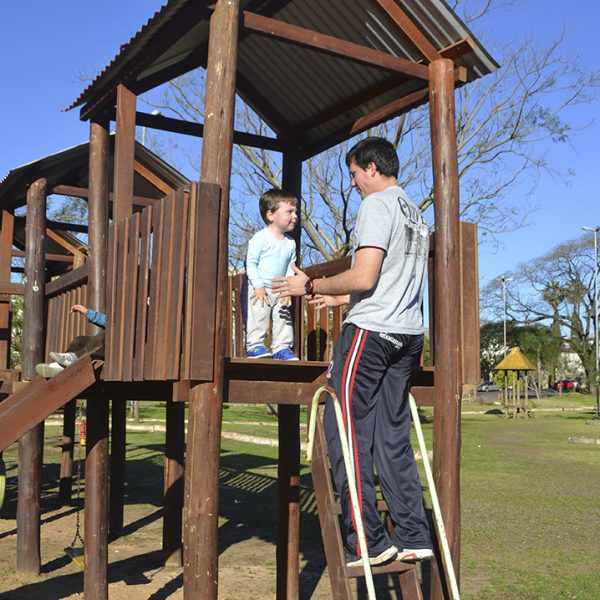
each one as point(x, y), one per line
point(246, 540)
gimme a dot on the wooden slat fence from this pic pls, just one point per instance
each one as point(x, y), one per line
point(62, 325)
point(161, 286)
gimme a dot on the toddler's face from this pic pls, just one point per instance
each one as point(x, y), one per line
point(284, 217)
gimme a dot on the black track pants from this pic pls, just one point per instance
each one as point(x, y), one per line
point(370, 373)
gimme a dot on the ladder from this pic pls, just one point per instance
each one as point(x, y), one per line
point(329, 512)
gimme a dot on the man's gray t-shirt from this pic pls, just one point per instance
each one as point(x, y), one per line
point(389, 220)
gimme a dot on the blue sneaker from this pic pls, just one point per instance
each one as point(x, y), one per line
point(285, 354)
point(258, 352)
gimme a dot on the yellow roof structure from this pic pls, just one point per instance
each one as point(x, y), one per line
point(515, 360)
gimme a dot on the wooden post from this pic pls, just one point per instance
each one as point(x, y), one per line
point(32, 443)
point(448, 375)
point(174, 477)
point(124, 162)
point(95, 581)
point(65, 486)
point(288, 475)
point(6, 240)
point(96, 472)
point(200, 575)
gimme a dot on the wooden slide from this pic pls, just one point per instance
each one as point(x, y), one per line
point(38, 399)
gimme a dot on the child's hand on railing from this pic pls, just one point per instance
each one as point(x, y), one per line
point(79, 308)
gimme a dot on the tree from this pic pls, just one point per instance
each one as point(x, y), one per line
point(555, 289)
point(504, 123)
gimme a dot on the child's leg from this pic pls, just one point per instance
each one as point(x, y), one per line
point(257, 324)
point(283, 326)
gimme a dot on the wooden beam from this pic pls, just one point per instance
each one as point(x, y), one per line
point(16, 289)
point(31, 444)
point(410, 30)
point(96, 475)
point(69, 280)
point(389, 110)
point(154, 179)
point(75, 250)
point(240, 138)
point(200, 574)
point(124, 154)
point(79, 192)
point(332, 45)
point(448, 383)
point(6, 241)
point(48, 256)
point(469, 294)
point(288, 470)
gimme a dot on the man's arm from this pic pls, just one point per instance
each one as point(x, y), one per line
point(361, 277)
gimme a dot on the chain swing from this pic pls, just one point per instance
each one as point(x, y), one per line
point(75, 550)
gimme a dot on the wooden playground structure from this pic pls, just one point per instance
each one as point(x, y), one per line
point(161, 270)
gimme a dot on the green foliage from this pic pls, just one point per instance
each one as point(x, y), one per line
point(16, 336)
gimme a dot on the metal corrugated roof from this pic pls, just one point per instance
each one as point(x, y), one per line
point(70, 167)
point(303, 94)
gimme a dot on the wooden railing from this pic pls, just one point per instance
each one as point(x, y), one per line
point(61, 325)
point(161, 289)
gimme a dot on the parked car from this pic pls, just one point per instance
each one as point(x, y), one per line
point(566, 385)
point(488, 386)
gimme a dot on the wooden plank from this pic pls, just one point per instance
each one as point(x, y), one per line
point(330, 525)
point(432, 292)
point(311, 333)
point(152, 339)
point(41, 397)
point(324, 333)
point(189, 284)
point(165, 292)
point(124, 154)
point(108, 371)
point(70, 279)
point(331, 45)
point(469, 304)
point(142, 295)
point(179, 253)
point(122, 230)
point(206, 239)
point(6, 240)
point(18, 289)
point(131, 295)
point(326, 269)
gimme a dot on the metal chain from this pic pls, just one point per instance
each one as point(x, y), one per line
point(78, 485)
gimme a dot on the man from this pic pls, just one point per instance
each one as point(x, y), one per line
point(380, 341)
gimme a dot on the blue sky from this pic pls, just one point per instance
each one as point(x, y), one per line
point(46, 46)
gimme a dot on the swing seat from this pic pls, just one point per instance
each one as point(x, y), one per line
point(76, 555)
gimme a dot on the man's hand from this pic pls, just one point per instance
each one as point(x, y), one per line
point(323, 300)
point(291, 285)
point(260, 295)
point(79, 308)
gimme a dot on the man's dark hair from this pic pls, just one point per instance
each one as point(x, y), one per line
point(378, 151)
point(271, 199)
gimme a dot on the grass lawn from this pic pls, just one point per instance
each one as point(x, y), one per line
point(530, 499)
